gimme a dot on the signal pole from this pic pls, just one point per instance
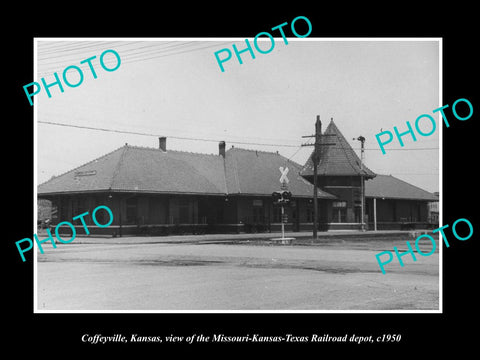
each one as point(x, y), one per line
point(316, 160)
point(283, 197)
point(283, 187)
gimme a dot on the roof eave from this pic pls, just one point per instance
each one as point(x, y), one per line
point(398, 198)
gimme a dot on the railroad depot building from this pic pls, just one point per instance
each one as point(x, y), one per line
point(390, 203)
point(393, 204)
point(156, 191)
point(159, 191)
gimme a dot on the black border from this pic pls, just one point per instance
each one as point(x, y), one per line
point(455, 25)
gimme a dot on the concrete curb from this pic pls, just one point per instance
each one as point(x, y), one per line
point(241, 238)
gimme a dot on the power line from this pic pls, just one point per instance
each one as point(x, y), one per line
point(73, 48)
point(295, 153)
point(132, 58)
point(72, 54)
point(72, 51)
point(158, 135)
point(408, 149)
point(192, 138)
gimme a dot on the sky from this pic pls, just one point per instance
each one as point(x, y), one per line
point(175, 88)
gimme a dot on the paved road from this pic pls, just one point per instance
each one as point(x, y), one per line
point(336, 275)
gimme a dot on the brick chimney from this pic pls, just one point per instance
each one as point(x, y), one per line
point(162, 143)
point(221, 148)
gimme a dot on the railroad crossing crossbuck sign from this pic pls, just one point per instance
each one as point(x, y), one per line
point(284, 178)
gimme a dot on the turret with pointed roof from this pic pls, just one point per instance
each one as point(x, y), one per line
point(337, 160)
point(341, 173)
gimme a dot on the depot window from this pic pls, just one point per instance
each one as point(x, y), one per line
point(132, 210)
point(339, 213)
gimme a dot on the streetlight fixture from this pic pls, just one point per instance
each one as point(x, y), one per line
point(362, 141)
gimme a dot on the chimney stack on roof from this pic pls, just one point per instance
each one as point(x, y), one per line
point(221, 148)
point(162, 143)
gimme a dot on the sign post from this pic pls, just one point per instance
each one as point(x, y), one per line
point(284, 181)
point(282, 198)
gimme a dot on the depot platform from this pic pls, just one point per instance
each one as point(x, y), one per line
point(332, 235)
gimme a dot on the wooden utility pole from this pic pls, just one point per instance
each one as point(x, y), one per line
point(316, 160)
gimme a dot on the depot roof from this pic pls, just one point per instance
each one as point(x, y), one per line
point(336, 160)
point(151, 170)
point(390, 187)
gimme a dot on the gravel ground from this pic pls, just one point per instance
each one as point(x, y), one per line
point(338, 274)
